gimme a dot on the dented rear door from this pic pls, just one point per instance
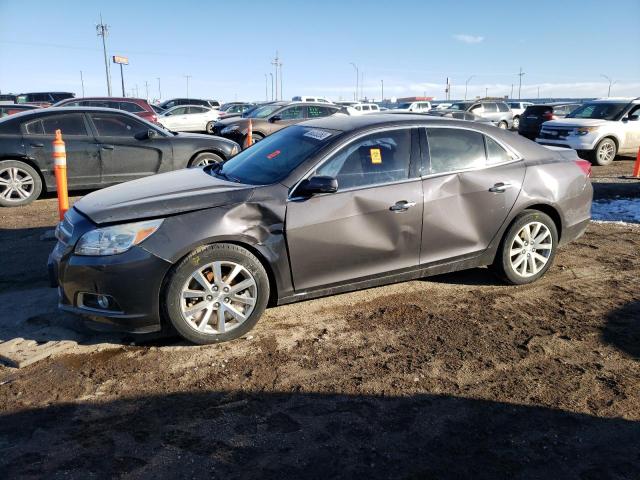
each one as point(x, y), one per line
point(464, 209)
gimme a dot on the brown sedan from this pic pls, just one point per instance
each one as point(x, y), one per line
point(270, 118)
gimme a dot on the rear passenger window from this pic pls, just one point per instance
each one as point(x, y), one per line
point(377, 158)
point(452, 149)
point(490, 108)
point(495, 152)
point(72, 124)
point(33, 128)
point(503, 107)
point(315, 111)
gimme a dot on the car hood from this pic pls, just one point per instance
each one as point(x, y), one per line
point(162, 195)
point(574, 122)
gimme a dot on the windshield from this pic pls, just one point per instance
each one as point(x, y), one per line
point(274, 158)
point(403, 106)
point(459, 106)
point(599, 111)
point(262, 112)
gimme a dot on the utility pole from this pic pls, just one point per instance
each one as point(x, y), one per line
point(187, 77)
point(511, 96)
point(281, 91)
point(159, 91)
point(82, 83)
point(137, 91)
point(271, 85)
point(103, 30)
point(611, 82)
point(362, 85)
point(266, 87)
point(277, 65)
point(146, 87)
point(355, 95)
point(466, 84)
point(538, 93)
point(382, 90)
point(486, 92)
point(520, 74)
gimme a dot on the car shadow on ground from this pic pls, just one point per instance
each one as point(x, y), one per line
point(471, 277)
point(262, 435)
point(622, 329)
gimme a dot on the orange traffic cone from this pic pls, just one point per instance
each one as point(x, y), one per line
point(60, 159)
point(636, 166)
point(249, 138)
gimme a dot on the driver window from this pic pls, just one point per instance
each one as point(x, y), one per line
point(377, 158)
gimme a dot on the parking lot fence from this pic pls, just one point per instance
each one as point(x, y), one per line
point(60, 159)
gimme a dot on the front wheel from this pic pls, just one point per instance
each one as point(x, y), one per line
point(604, 152)
point(20, 184)
point(516, 123)
point(527, 249)
point(216, 293)
point(204, 159)
point(503, 125)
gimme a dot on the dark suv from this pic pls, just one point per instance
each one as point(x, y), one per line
point(270, 118)
point(167, 104)
point(498, 112)
point(534, 116)
point(137, 106)
point(43, 99)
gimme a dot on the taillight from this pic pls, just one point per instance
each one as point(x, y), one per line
point(585, 167)
point(154, 118)
point(548, 115)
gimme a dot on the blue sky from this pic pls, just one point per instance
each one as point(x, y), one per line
point(563, 46)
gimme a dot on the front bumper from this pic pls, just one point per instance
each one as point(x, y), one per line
point(133, 279)
point(586, 142)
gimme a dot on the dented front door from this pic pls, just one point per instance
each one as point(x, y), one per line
point(463, 211)
point(354, 234)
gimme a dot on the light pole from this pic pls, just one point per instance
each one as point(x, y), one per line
point(266, 87)
point(382, 90)
point(276, 63)
point(159, 91)
point(355, 95)
point(187, 77)
point(103, 30)
point(520, 74)
point(146, 88)
point(466, 84)
point(271, 85)
point(82, 83)
point(486, 92)
point(611, 82)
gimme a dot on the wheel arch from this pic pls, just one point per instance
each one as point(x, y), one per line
point(548, 209)
point(206, 150)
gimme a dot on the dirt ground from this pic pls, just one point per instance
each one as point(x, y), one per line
point(454, 376)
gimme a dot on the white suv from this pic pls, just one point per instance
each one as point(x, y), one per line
point(414, 106)
point(599, 129)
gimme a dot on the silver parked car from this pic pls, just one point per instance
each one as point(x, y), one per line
point(498, 112)
point(326, 206)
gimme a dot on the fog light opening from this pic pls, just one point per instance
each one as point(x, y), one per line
point(98, 301)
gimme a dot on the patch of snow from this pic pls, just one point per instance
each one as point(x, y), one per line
point(625, 210)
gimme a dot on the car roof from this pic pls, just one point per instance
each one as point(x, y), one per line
point(116, 99)
point(51, 110)
point(356, 122)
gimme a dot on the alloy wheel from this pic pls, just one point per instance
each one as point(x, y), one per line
point(16, 184)
point(218, 297)
point(606, 152)
point(203, 162)
point(530, 249)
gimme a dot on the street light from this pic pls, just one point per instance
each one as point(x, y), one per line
point(611, 82)
point(355, 95)
point(187, 77)
point(271, 85)
point(466, 84)
point(159, 90)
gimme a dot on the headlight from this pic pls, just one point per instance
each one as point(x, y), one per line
point(585, 130)
point(230, 129)
point(115, 239)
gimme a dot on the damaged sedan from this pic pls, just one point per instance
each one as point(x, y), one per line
point(327, 206)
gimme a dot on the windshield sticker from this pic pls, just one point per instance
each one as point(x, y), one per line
point(317, 134)
point(273, 154)
point(376, 157)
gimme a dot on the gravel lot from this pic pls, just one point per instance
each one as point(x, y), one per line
point(453, 376)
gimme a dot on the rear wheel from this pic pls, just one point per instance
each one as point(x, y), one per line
point(210, 128)
point(516, 122)
point(204, 159)
point(527, 249)
point(604, 152)
point(216, 293)
point(503, 125)
point(20, 184)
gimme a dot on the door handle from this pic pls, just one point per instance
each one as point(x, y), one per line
point(500, 187)
point(37, 145)
point(402, 206)
point(106, 147)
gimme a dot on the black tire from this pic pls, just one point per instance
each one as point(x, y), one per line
point(502, 264)
point(209, 128)
point(604, 153)
point(15, 170)
point(205, 158)
point(198, 259)
point(503, 125)
point(516, 123)
point(256, 137)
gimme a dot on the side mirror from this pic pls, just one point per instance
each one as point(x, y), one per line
point(633, 118)
point(145, 135)
point(275, 118)
point(314, 185)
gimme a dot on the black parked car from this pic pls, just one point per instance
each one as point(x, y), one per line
point(534, 116)
point(104, 147)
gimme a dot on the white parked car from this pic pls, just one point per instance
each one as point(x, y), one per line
point(518, 109)
point(310, 99)
point(598, 129)
point(441, 106)
point(189, 118)
point(365, 108)
point(414, 106)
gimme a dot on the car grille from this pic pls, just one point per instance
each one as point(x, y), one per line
point(555, 133)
